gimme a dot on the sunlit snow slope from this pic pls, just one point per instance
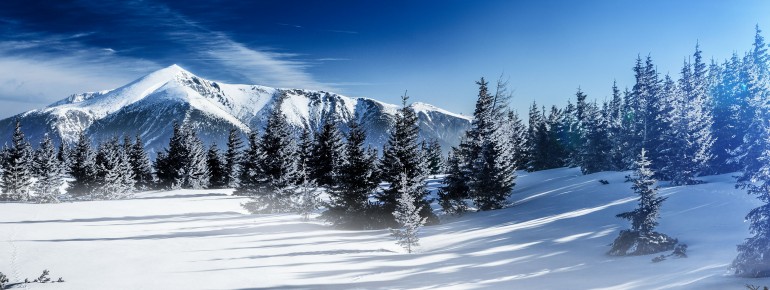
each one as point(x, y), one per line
point(554, 236)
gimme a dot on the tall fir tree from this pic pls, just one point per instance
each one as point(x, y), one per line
point(433, 157)
point(487, 151)
point(595, 149)
point(17, 174)
point(251, 178)
point(277, 165)
point(114, 175)
point(401, 155)
point(140, 164)
point(48, 173)
point(452, 196)
point(82, 168)
point(728, 104)
point(217, 175)
point(233, 158)
point(183, 164)
point(753, 155)
point(615, 114)
point(326, 152)
point(349, 204)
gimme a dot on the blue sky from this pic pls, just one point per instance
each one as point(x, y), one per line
point(378, 49)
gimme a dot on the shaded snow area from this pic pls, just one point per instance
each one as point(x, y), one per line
point(554, 236)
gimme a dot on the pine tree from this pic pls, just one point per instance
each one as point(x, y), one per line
point(307, 196)
point(251, 178)
point(217, 177)
point(517, 133)
point(183, 165)
point(114, 175)
point(276, 166)
point(453, 194)
point(350, 199)
point(327, 149)
point(644, 218)
point(82, 168)
point(615, 130)
point(304, 152)
point(140, 164)
point(595, 150)
point(728, 104)
point(487, 151)
point(49, 172)
point(753, 258)
point(401, 155)
point(17, 177)
point(435, 164)
point(407, 214)
point(233, 158)
point(63, 156)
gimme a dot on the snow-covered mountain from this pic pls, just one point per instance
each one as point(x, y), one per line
point(149, 105)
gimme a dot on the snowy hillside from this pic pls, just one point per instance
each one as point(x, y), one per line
point(555, 236)
point(150, 104)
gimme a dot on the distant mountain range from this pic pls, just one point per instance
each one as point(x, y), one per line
point(150, 105)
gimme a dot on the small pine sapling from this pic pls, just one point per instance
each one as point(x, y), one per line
point(408, 218)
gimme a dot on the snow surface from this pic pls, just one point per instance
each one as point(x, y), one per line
point(554, 236)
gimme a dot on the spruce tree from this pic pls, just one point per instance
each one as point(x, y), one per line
point(217, 177)
point(82, 168)
point(401, 155)
point(487, 154)
point(183, 165)
point(642, 239)
point(518, 133)
point(595, 149)
point(304, 153)
point(327, 149)
point(644, 218)
point(233, 158)
point(49, 172)
point(17, 174)
point(350, 199)
point(250, 176)
point(276, 166)
point(753, 258)
point(114, 175)
point(435, 164)
point(140, 165)
point(407, 214)
point(727, 127)
point(453, 194)
point(615, 130)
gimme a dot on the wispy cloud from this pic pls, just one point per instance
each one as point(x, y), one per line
point(37, 68)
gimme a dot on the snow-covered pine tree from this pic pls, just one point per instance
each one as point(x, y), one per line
point(453, 194)
point(689, 142)
point(644, 218)
point(17, 174)
point(82, 168)
point(350, 199)
point(277, 163)
point(615, 128)
point(487, 153)
point(401, 155)
point(518, 140)
point(753, 258)
point(327, 149)
point(595, 149)
point(727, 127)
point(304, 153)
point(251, 178)
point(533, 140)
point(183, 164)
point(114, 175)
point(233, 158)
point(407, 214)
point(307, 196)
point(433, 157)
point(640, 129)
point(641, 239)
point(63, 156)
point(48, 173)
point(216, 168)
point(140, 165)
point(756, 90)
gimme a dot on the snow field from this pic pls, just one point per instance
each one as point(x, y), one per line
point(554, 235)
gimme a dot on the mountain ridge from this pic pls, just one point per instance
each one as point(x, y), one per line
point(148, 105)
